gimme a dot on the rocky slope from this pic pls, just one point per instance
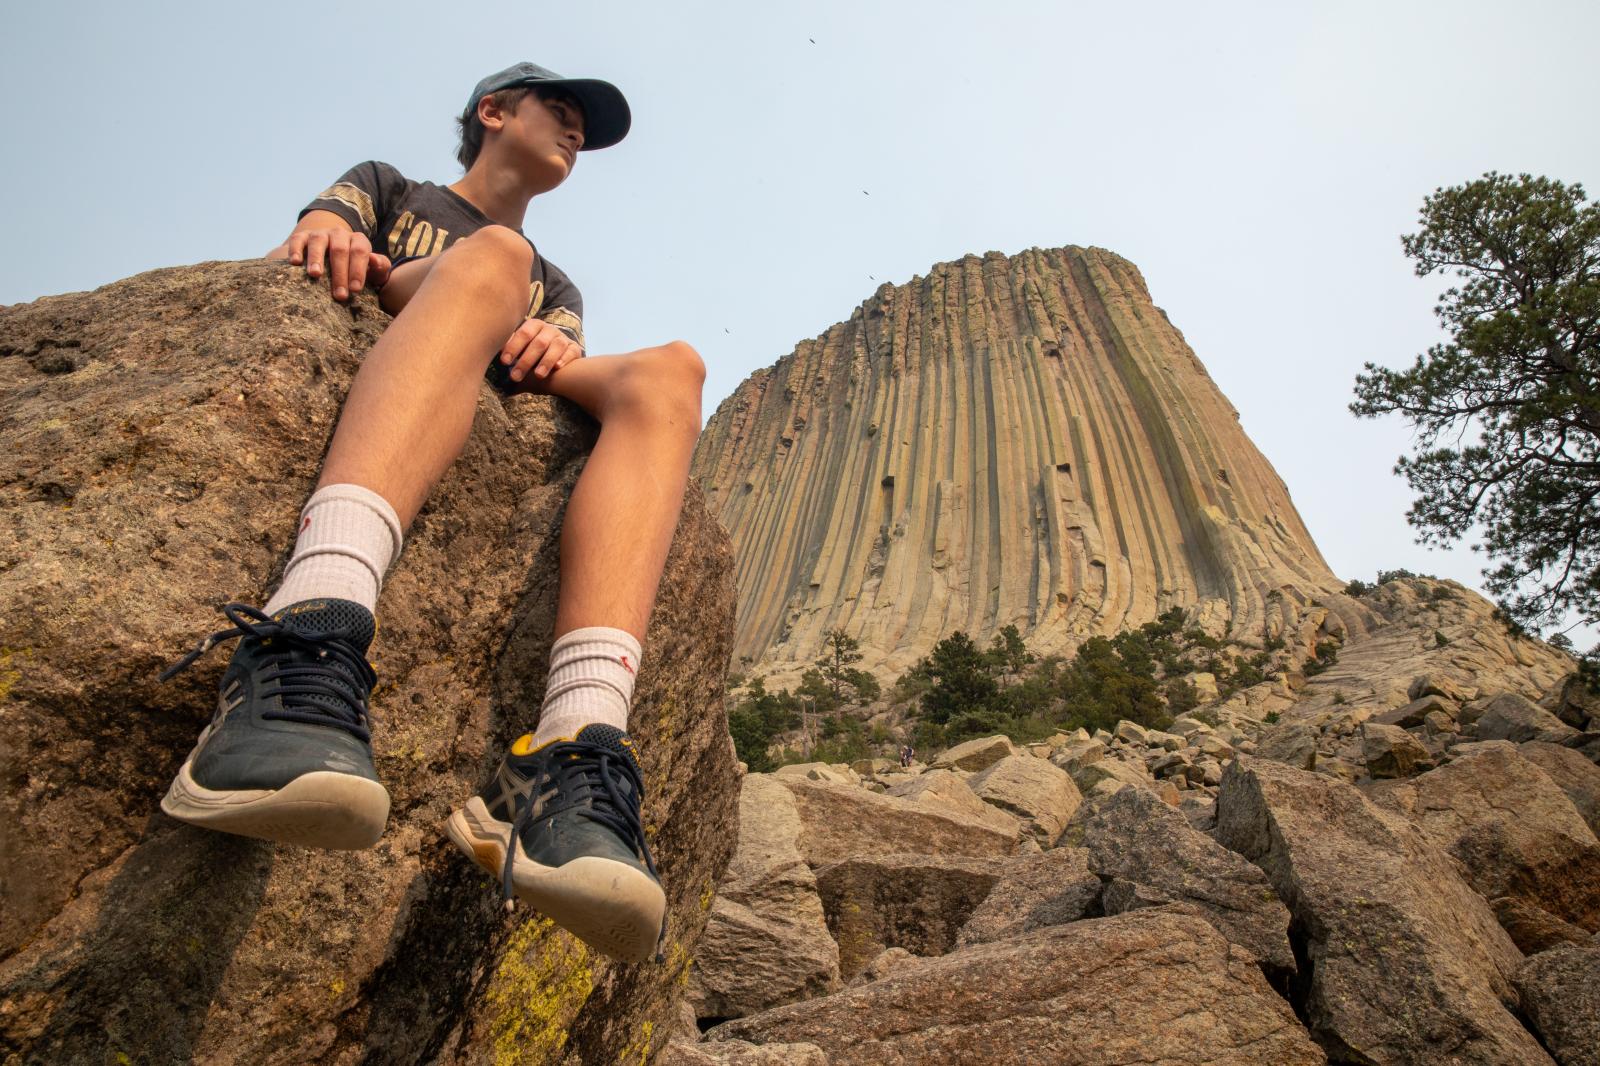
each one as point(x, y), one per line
point(1023, 440)
point(159, 437)
point(1392, 863)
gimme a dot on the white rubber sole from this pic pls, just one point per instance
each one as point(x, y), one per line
point(611, 906)
point(323, 809)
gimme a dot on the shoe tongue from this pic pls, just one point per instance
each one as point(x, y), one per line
point(342, 618)
point(611, 738)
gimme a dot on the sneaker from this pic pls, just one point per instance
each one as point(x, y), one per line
point(559, 825)
point(288, 756)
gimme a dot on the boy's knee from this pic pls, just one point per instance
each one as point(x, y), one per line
point(684, 363)
point(497, 248)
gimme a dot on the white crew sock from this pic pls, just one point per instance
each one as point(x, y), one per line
point(591, 680)
point(348, 537)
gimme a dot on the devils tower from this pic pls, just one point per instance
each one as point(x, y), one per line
point(1017, 440)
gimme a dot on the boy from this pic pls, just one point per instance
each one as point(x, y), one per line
point(288, 755)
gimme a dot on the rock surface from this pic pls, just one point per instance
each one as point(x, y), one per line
point(1040, 794)
point(1033, 892)
point(1137, 842)
point(1407, 963)
point(1147, 987)
point(1009, 439)
point(916, 902)
point(841, 821)
point(1561, 996)
point(160, 436)
point(767, 941)
point(1513, 830)
point(1573, 774)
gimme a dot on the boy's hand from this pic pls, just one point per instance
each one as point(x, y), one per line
point(347, 257)
point(538, 348)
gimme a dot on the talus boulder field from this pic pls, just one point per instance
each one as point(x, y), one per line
point(1008, 440)
point(160, 435)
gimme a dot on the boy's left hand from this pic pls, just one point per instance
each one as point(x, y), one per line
point(538, 348)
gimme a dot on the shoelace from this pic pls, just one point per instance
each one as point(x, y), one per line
point(585, 775)
point(317, 692)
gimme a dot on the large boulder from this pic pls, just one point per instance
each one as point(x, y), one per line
point(1561, 997)
point(1406, 962)
point(916, 902)
point(1149, 855)
point(841, 821)
point(1515, 718)
point(767, 941)
point(975, 755)
point(1575, 775)
point(1294, 743)
point(1040, 794)
point(160, 437)
point(947, 790)
point(1513, 830)
point(1146, 987)
point(1051, 888)
point(1390, 751)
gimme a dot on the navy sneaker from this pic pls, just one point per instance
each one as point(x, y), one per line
point(559, 825)
point(288, 756)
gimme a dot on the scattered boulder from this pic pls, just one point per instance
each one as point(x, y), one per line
point(977, 754)
point(1438, 685)
point(1079, 754)
point(1131, 733)
point(1390, 751)
point(1118, 773)
point(887, 962)
point(1573, 703)
point(1516, 718)
point(1040, 794)
point(767, 941)
point(1051, 888)
point(1412, 714)
point(841, 821)
point(1294, 743)
point(1534, 929)
point(1407, 963)
point(1140, 987)
point(1575, 775)
point(819, 771)
point(1136, 841)
point(949, 791)
point(916, 902)
point(1511, 827)
point(1561, 998)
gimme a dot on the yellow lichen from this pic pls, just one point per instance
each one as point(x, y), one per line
point(9, 674)
point(543, 980)
point(639, 1049)
point(707, 895)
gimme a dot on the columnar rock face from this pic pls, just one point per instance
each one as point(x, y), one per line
point(159, 436)
point(1023, 440)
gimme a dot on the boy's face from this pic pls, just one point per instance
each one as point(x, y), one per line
point(541, 139)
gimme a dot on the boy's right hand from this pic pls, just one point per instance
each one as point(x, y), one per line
point(347, 257)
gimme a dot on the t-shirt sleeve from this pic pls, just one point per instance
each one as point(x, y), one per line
point(563, 306)
point(362, 196)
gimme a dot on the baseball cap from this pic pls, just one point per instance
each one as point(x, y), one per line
point(605, 110)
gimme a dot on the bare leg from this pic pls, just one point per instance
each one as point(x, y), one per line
point(410, 408)
point(623, 512)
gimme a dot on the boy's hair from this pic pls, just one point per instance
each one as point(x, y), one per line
point(471, 130)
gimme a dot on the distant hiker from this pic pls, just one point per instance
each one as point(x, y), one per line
point(288, 755)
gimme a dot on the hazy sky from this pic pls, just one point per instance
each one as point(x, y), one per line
point(1257, 161)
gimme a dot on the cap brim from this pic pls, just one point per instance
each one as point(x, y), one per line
point(606, 116)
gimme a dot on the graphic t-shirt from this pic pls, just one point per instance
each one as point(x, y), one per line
point(408, 219)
